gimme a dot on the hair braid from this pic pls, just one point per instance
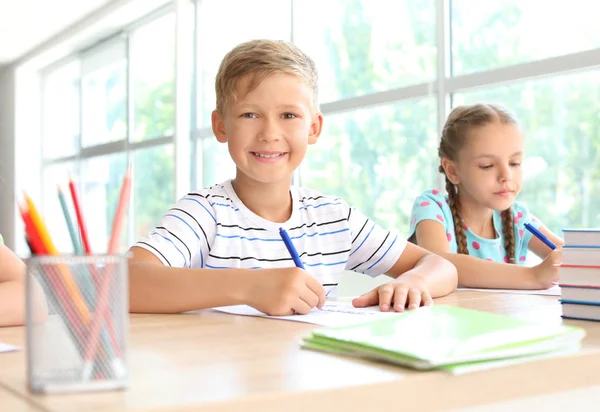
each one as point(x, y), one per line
point(509, 234)
point(459, 230)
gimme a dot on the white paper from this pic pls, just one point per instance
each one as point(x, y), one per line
point(553, 291)
point(7, 348)
point(332, 314)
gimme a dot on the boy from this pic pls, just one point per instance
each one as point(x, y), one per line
point(221, 246)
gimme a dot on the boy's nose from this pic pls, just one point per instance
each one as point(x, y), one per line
point(269, 132)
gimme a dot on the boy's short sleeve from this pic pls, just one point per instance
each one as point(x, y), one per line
point(431, 205)
point(374, 250)
point(184, 234)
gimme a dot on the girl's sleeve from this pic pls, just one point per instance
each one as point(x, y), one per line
point(522, 215)
point(431, 205)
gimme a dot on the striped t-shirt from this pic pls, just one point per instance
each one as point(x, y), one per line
point(213, 229)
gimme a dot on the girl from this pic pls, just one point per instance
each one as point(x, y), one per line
point(479, 226)
point(12, 288)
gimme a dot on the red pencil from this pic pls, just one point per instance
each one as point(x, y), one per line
point(80, 221)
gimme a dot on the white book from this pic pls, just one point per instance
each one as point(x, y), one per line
point(580, 294)
point(581, 237)
point(574, 275)
point(578, 311)
point(582, 256)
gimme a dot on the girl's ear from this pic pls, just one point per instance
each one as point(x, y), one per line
point(450, 169)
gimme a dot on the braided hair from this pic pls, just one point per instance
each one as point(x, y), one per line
point(454, 135)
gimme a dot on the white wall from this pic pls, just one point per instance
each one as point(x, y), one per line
point(7, 155)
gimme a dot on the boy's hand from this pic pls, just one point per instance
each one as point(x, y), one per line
point(285, 291)
point(546, 273)
point(405, 291)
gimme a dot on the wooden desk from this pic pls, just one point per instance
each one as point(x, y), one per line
point(218, 362)
point(11, 402)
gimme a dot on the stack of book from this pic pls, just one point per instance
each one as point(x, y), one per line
point(454, 339)
point(580, 274)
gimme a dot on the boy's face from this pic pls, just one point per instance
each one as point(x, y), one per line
point(268, 129)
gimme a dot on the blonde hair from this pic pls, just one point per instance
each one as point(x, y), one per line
point(261, 58)
point(457, 129)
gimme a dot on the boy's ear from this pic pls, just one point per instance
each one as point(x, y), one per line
point(451, 170)
point(316, 127)
point(218, 126)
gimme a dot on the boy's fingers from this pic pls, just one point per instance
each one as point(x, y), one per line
point(301, 307)
point(368, 299)
point(414, 299)
point(386, 293)
point(426, 299)
point(315, 286)
point(309, 297)
point(400, 299)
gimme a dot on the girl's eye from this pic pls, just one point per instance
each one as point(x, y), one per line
point(289, 116)
point(515, 164)
point(485, 167)
point(249, 116)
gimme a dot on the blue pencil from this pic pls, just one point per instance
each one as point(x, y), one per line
point(290, 247)
point(540, 236)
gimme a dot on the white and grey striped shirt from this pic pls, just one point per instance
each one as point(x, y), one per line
point(213, 229)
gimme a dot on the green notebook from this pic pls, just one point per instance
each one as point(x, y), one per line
point(444, 336)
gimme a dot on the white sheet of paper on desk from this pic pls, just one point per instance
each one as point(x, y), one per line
point(7, 348)
point(553, 291)
point(332, 314)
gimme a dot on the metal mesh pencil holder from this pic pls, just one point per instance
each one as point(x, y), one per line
point(77, 323)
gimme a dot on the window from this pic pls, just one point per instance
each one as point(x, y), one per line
point(496, 33)
point(217, 34)
point(104, 93)
point(153, 77)
point(214, 161)
point(387, 152)
point(366, 46)
point(153, 185)
point(60, 120)
point(559, 116)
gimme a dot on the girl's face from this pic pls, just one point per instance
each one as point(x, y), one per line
point(488, 169)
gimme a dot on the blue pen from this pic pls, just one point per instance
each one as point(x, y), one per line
point(540, 236)
point(290, 247)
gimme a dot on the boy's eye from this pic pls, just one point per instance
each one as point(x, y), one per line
point(485, 167)
point(249, 115)
point(515, 164)
point(289, 116)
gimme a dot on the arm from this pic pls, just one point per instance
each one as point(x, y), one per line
point(539, 248)
point(12, 288)
point(155, 288)
point(438, 274)
point(474, 272)
point(419, 276)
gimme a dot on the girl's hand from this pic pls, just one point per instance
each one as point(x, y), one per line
point(546, 273)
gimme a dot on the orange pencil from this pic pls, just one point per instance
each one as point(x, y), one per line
point(70, 283)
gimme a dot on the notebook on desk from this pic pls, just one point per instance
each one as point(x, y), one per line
point(444, 336)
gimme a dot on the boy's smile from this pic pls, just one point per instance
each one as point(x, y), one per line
point(268, 129)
